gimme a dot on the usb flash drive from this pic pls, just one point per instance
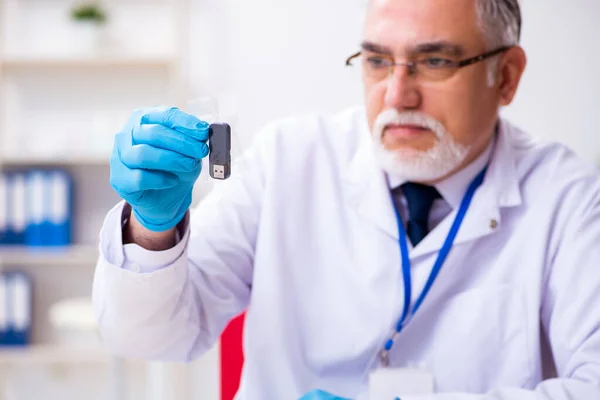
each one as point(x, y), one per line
point(219, 136)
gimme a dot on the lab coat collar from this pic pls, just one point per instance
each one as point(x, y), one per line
point(500, 189)
point(369, 192)
point(502, 181)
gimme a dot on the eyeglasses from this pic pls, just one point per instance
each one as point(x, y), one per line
point(380, 67)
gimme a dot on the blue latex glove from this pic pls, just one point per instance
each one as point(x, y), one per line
point(320, 395)
point(155, 162)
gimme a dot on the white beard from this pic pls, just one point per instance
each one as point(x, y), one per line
point(413, 165)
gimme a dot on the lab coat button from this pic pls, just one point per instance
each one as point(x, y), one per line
point(493, 224)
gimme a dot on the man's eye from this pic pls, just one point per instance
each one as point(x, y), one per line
point(436, 62)
point(378, 62)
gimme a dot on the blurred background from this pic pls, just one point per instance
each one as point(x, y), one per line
point(72, 72)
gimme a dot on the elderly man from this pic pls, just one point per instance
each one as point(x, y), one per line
point(419, 245)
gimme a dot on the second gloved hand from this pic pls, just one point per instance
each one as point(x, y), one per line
point(320, 395)
point(155, 162)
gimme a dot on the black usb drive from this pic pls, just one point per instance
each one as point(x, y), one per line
point(219, 136)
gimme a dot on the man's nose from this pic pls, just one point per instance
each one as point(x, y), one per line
point(402, 91)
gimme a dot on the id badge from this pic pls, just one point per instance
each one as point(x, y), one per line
point(390, 383)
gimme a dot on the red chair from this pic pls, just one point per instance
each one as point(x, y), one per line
point(232, 358)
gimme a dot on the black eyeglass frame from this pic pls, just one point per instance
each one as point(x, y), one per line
point(455, 64)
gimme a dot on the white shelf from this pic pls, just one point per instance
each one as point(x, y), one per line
point(85, 61)
point(68, 255)
point(53, 354)
point(76, 159)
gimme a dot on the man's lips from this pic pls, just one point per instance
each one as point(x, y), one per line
point(404, 131)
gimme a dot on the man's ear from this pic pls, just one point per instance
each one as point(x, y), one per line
point(510, 72)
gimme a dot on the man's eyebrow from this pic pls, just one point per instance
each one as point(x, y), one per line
point(443, 47)
point(375, 48)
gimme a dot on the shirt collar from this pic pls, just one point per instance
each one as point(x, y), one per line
point(454, 187)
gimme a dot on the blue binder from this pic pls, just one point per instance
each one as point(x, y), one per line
point(36, 208)
point(4, 311)
point(49, 208)
point(18, 309)
point(3, 209)
point(17, 206)
point(60, 208)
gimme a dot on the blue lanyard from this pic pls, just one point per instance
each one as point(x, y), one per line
point(406, 313)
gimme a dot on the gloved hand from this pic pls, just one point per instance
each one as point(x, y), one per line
point(320, 395)
point(155, 162)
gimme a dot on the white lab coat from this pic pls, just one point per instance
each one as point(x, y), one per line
point(304, 237)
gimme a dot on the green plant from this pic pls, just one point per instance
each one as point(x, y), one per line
point(88, 12)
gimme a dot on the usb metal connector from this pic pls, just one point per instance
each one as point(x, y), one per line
point(218, 171)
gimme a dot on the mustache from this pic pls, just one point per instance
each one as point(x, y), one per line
point(416, 118)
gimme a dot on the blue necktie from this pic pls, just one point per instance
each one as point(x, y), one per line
point(420, 199)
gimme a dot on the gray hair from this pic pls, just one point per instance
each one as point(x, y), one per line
point(500, 21)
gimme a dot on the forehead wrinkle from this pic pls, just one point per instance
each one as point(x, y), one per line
point(402, 24)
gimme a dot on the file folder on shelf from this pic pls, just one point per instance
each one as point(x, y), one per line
point(3, 209)
point(49, 208)
point(16, 295)
point(36, 196)
point(60, 208)
point(36, 207)
point(3, 310)
point(17, 209)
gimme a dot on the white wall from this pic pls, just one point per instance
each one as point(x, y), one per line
point(303, 45)
point(560, 95)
